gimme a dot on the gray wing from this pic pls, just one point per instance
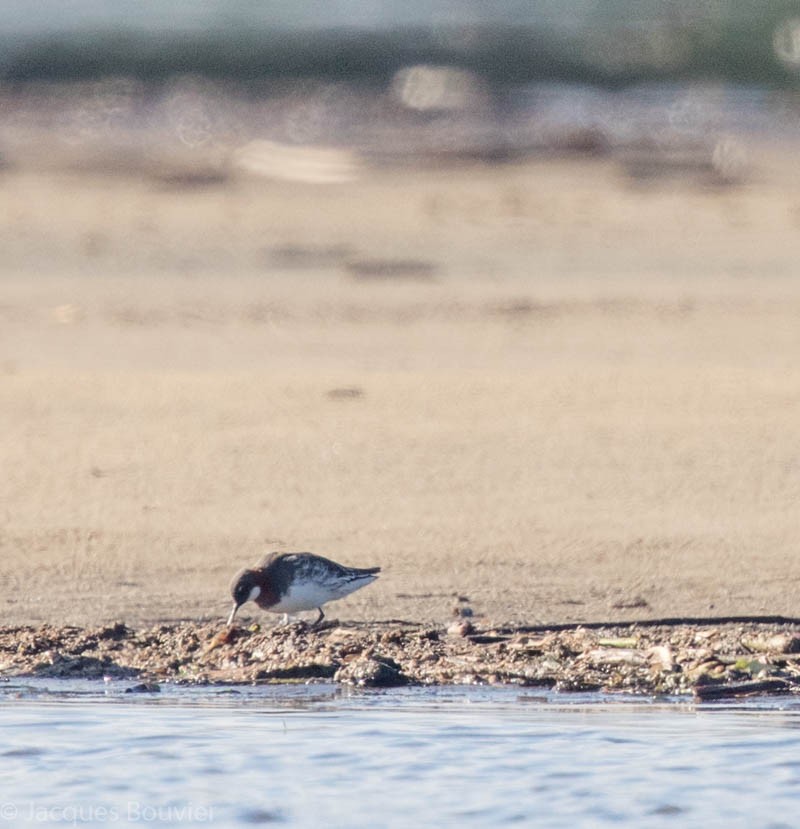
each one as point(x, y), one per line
point(317, 567)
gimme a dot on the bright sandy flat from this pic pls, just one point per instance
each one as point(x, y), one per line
point(587, 407)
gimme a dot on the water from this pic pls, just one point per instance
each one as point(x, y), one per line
point(82, 754)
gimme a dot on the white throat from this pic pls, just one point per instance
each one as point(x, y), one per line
point(254, 594)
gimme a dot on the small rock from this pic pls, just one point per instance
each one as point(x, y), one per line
point(614, 656)
point(116, 631)
point(705, 671)
point(785, 642)
point(461, 628)
point(661, 658)
point(371, 672)
point(314, 670)
point(144, 688)
point(779, 643)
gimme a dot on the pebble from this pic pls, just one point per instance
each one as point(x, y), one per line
point(668, 659)
point(461, 628)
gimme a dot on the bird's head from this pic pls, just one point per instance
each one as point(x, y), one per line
point(245, 588)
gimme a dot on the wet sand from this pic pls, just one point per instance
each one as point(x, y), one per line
point(549, 389)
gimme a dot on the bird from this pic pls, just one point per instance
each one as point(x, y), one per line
point(291, 582)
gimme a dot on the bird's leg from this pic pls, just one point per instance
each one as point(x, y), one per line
point(319, 618)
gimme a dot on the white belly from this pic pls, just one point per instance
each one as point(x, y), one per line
point(310, 595)
point(306, 596)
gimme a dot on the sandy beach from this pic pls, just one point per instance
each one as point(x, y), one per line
point(547, 388)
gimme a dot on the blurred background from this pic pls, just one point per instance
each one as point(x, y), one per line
point(669, 82)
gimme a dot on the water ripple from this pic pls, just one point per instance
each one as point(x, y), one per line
point(471, 758)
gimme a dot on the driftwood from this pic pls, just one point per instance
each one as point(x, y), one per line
point(730, 690)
